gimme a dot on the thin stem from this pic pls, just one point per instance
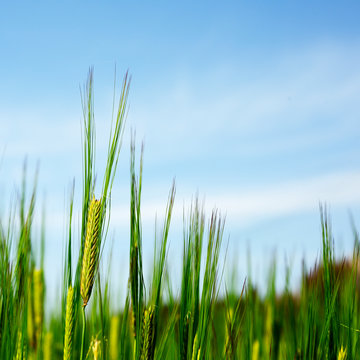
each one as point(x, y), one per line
point(83, 333)
point(101, 317)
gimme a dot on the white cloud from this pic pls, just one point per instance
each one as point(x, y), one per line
point(242, 208)
point(246, 207)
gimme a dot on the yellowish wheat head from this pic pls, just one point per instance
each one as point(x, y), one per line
point(91, 250)
point(148, 333)
point(38, 277)
point(69, 323)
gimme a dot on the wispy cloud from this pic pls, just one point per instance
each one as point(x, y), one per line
point(296, 94)
point(243, 208)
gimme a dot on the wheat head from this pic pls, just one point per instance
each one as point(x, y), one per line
point(148, 334)
point(91, 250)
point(38, 277)
point(69, 323)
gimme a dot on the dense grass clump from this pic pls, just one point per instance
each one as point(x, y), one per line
point(321, 321)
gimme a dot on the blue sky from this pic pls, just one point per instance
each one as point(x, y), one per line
point(254, 106)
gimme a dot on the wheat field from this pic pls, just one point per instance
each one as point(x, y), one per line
point(320, 321)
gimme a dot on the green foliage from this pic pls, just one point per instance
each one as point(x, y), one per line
point(322, 321)
point(136, 279)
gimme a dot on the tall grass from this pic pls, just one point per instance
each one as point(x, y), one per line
point(320, 321)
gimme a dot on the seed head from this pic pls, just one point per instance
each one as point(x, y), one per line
point(69, 323)
point(148, 334)
point(38, 277)
point(91, 250)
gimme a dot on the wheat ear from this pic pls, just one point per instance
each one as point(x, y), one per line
point(38, 277)
point(91, 250)
point(148, 334)
point(69, 323)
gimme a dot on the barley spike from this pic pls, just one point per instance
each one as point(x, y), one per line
point(148, 334)
point(91, 250)
point(38, 302)
point(69, 323)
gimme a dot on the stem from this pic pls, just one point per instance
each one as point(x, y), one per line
point(83, 333)
point(101, 317)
